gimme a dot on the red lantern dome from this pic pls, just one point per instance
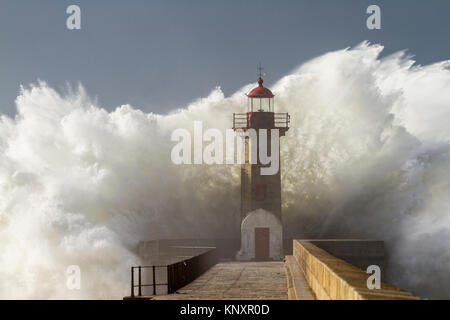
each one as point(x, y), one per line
point(260, 91)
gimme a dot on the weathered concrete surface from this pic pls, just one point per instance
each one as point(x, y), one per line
point(358, 252)
point(335, 279)
point(237, 280)
point(298, 287)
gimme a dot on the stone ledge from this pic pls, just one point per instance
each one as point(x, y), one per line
point(298, 287)
point(331, 278)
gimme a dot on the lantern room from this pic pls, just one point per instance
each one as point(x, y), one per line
point(260, 99)
point(260, 111)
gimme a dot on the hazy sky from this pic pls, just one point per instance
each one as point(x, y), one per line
point(160, 55)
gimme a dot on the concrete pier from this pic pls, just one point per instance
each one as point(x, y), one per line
point(237, 280)
point(325, 269)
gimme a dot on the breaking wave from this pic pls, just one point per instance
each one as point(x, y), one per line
point(367, 155)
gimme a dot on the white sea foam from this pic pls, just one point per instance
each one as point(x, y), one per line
point(367, 155)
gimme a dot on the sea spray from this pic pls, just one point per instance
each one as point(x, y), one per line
point(367, 155)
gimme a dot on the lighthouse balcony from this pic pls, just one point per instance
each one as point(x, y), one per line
point(261, 120)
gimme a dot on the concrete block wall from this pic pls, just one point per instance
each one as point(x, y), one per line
point(359, 252)
point(332, 278)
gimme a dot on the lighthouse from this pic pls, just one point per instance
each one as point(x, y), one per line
point(261, 220)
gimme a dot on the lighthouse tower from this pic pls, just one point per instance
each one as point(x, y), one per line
point(261, 224)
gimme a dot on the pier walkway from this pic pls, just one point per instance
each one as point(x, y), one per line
point(237, 280)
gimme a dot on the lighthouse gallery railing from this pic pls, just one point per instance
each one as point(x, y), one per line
point(242, 120)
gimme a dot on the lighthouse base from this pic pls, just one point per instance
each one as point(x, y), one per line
point(261, 237)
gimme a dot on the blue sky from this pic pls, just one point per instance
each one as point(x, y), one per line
point(160, 55)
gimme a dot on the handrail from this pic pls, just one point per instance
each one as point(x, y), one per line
point(178, 274)
point(140, 285)
point(242, 121)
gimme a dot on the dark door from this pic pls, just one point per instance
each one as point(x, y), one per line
point(261, 243)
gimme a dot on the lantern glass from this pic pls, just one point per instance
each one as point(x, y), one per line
point(260, 105)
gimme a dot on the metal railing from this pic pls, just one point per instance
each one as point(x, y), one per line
point(242, 120)
point(140, 285)
point(282, 120)
point(179, 274)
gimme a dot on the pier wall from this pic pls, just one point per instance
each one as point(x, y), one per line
point(332, 278)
